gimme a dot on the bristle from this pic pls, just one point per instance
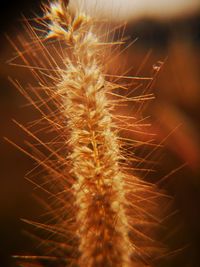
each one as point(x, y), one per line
point(98, 190)
point(103, 215)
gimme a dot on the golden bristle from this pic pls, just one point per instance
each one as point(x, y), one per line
point(102, 211)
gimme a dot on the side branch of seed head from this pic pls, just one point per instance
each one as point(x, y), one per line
point(98, 190)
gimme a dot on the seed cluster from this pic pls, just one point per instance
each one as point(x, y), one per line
point(98, 190)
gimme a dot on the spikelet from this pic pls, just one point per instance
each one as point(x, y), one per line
point(100, 214)
point(98, 189)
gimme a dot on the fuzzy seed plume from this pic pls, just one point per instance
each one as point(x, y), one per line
point(99, 187)
point(103, 214)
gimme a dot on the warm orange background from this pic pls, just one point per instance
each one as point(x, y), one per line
point(174, 112)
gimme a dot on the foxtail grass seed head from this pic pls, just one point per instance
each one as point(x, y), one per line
point(101, 210)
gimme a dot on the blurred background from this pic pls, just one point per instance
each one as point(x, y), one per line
point(168, 48)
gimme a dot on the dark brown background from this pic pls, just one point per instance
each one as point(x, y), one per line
point(177, 90)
